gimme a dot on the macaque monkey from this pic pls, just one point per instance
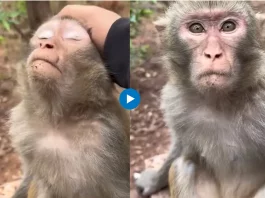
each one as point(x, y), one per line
point(70, 130)
point(214, 102)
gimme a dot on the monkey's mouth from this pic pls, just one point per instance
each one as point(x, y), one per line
point(214, 79)
point(47, 61)
point(214, 73)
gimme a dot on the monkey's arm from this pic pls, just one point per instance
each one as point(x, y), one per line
point(182, 179)
point(22, 191)
point(151, 181)
point(187, 179)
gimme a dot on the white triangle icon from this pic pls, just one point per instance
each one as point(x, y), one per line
point(129, 98)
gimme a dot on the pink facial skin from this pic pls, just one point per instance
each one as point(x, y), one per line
point(52, 43)
point(214, 63)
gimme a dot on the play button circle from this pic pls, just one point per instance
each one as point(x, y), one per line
point(129, 99)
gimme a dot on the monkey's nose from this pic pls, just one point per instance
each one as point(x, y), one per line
point(46, 44)
point(213, 55)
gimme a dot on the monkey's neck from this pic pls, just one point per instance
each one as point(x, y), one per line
point(234, 100)
point(56, 108)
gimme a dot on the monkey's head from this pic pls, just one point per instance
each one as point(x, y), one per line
point(65, 64)
point(210, 45)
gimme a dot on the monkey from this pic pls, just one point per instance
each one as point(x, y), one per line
point(69, 129)
point(213, 102)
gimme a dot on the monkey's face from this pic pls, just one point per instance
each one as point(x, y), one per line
point(207, 42)
point(56, 46)
point(64, 60)
point(213, 37)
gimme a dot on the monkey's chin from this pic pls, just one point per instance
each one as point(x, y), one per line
point(215, 82)
point(40, 68)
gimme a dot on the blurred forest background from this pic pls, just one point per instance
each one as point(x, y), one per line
point(149, 134)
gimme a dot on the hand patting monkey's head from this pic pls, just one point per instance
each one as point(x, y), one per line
point(211, 45)
point(65, 62)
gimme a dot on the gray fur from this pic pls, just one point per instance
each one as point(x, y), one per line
point(222, 132)
point(82, 109)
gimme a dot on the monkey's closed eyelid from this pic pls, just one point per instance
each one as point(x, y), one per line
point(72, 36)
point(45, 34)
point(73, 39)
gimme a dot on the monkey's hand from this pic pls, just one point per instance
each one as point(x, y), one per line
point(148, 183)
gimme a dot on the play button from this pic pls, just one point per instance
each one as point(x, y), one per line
point(129, 99)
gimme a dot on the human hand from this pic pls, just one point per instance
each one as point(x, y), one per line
point(97, 18)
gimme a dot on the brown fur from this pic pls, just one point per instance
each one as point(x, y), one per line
point(72, 133)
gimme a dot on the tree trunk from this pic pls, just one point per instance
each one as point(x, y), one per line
point(38, 12)
point(56, 6)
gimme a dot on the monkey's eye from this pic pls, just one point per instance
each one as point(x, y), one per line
point(196, 28)
point(45, 34)
point(72, 35)
point(228, 26)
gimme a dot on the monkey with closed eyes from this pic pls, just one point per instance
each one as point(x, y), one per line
point(70, 130)
point(213, 102)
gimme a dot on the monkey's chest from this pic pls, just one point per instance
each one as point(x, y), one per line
point(53, 152)
point(232, 143)
point(234, 153)
point(58, 163)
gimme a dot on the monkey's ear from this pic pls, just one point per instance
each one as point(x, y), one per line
point(259, 16)
point(260, 20)
point(161, 24)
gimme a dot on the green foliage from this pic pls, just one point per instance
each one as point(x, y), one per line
point(137, 13)
point(2, 39)
point(11, 15)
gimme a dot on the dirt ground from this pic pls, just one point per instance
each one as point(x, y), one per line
point(149, 134)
